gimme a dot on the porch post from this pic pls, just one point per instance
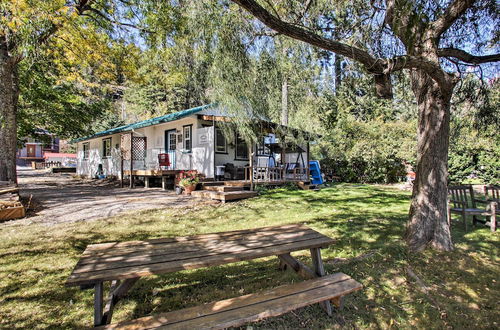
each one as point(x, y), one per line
point(307, 158)
point(131, 160)
point(121, 166)
point(250, 154)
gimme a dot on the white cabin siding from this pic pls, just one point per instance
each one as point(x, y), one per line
point(201, 157)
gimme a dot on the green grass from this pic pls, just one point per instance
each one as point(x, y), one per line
point(464, 290)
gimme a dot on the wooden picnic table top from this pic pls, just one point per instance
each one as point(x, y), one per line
point(122, 260)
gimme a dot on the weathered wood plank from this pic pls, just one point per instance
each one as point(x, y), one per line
point(303, 270)
point(249, 308)
point(320, 271)
point(172, 266)
point(186, 250)
point(189, 245)
point(98, 301)
point(223, 235)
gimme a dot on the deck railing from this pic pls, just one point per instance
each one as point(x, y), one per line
point(275, 174)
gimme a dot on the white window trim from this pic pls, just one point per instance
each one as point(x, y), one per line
point(86, 154)
point(190, 139)
point(218, 129)
point(106, 140)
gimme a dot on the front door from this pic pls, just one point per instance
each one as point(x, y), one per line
point(170, 140)
point(31, 150)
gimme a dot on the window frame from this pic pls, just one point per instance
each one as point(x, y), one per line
point(236, 156)
point(104, 142)
point(86, 153)
point(190, 127)
point(217, 130)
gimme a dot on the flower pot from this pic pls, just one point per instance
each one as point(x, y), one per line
point(189, 189)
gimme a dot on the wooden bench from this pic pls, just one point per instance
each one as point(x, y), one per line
point(492, 192)
point(238, 311)
point(463, 202)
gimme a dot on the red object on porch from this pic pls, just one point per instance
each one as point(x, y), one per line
point(163, 160)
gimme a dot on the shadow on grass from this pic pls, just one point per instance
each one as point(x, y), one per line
point(463, 283)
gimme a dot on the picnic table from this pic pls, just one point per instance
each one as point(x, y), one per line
point(123, 263)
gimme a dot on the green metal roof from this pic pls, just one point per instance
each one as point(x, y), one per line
point(145, 123)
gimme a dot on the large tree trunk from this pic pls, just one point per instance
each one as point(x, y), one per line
point(428, 225)
point(9, 93)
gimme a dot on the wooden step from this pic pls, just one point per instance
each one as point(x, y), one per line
point(238, 311)
point(224, 196)
point(212, 183)
point(221, 188)
point(237, 183)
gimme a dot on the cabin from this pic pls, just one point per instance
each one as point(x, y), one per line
point(194, 139)
point(34, 148)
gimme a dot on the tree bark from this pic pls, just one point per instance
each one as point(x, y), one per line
point(284, 101)
point(428, 224)
point(9, 94)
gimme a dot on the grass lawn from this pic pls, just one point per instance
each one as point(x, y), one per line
point(366, 220)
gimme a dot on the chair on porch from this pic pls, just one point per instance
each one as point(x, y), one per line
point(163, 160)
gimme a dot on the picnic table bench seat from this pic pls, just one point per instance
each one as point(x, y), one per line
point(238, 311)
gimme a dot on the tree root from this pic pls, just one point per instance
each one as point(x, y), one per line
point(424, 288)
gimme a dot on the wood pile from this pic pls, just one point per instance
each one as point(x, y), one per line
point(10, 206)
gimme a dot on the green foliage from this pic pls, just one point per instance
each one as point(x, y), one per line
point(57, 106)
point(372, 151)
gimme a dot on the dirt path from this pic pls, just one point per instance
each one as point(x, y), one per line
point(60, 198)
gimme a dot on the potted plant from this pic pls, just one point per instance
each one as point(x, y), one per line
point(189, 180)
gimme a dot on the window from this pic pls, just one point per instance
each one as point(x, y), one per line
point(188, 141)
point(220, 141)
point(106, 148)
point(86, 150)
point(241, 148)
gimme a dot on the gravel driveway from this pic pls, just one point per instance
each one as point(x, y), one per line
point(60, 198)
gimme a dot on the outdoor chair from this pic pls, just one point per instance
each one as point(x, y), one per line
point(462, 201)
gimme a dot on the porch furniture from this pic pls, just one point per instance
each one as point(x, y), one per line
point(124, 263)
point(463, 202)
point(163, 160)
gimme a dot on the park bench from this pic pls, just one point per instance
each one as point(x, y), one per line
point(124, 263)
point(463, 202)
point(492, 192)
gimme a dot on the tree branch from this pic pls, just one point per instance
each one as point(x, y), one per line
point(299, 33)
point(456, 9)
point(466, 57)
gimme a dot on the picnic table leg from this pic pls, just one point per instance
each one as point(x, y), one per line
point(98, 300)
point(320, 271)
point(117, 291)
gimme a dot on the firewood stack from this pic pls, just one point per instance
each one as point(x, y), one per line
point(10, 206)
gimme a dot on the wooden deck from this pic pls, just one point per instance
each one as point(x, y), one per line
point(157, 173)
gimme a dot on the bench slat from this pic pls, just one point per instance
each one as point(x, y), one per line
point(249, 308)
